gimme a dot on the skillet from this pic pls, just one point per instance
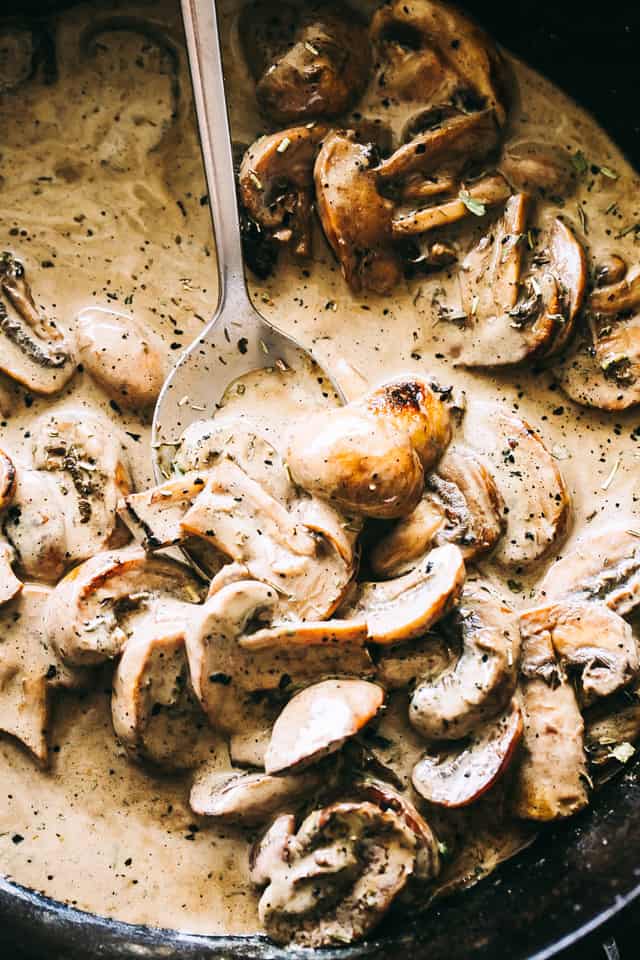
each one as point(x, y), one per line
point(579, 874)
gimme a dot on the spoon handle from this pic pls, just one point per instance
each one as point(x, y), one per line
point(205, 61)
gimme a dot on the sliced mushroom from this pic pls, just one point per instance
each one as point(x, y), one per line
point(603, 369)
point(309, 62)
point(10, 586)
point(29, 670)
point(603, 567)
point(472, 197)
point(460, 777)
point(65, 510)
point(461, 505)
point(318, 721)
point(588, 639)
point(609, 727)
point(34, 352)
point(355, 217)
point(124, 358)
point(483, 678)
point(231, 658)
point(402, 664)
point(530, 166)
point(276, 185)
point(155, 715)
point(332, 881)
point(250, 798)
point(406, 607)
point(517, 310)
point(87, 613)
point(550, 781)
point(431, 53)
point(7, 480)
point(528, 479)
point(154, 516)
point(369, 456)
point(249, 526)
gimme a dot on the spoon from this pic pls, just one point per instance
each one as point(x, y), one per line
point(238, 339)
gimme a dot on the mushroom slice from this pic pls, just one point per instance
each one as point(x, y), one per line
point(515, 309)
point(485, 192)
point(34, 351)
point(369, 456)
point(123, 357)
point(226, 668)
point(251, 527)
point(431, 53)
point(318, 721)
point(401, 665)
point(332, 881)
point(603, 567)
point(451, 145)
point(460, 777)
point(29, 670)
point(87, 457)
point(7, 480)
point(10, 586)
point(155, 715)
point(35, 526)
point(531, 166)
point(609, 726)
point(87, 613)
point(550, 781)
point(604, 368)
point(276, 185)
point(406, 607)
point(461, 505)
point(483, 678)
point(309, 62)
point(154, 516)
point(589, 639)
point(250, 798)
point(355, 217)
point(538, 506)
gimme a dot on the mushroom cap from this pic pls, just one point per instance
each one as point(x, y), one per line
point(482, 680)
point(528, 479)
point(364, 463)
point(250, 798)
point(318, 720)
point(408, 606)
point(123, 357)
point(85, 610)
point(355, 216)
point(309, 62)
point(458, 777)
point(155, 715)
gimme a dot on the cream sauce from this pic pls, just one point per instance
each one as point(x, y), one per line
point(102, 199)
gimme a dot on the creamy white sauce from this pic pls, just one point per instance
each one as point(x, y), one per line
point(99, 181)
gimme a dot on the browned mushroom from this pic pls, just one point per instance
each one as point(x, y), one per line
point(355, 216)
point(309, 61)
point(603, 368)
point(276, 185)
point(470, 197)
point(34, 351)
point(482, 679)
point(318, 720)
point(406, 607)
point(456, 778)
point(550, 781)
point(333, 880)
point(588, 639)
point(250, 798)
point(431, 53)
point(461, 505)
point(515, 310)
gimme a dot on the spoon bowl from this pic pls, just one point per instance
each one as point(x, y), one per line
point(238, 340)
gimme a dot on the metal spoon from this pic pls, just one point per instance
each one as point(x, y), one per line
point(237, 340)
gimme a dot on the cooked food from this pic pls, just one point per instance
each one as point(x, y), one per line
point(310, 62)
point(335, 658)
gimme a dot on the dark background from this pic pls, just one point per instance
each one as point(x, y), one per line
point(591, 51)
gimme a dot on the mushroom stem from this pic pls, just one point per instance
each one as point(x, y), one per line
point(488, 191)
